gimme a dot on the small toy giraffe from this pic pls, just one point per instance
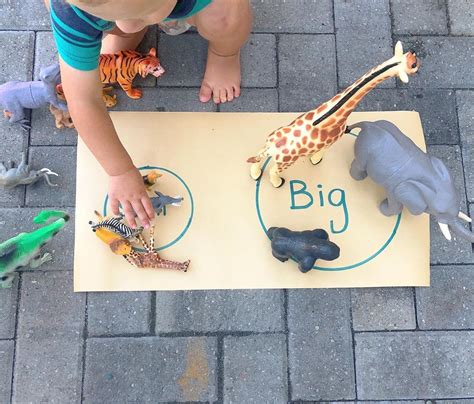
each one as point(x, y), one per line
point(313, 132)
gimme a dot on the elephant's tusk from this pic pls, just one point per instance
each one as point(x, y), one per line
point(465, 217)
point(445, 230)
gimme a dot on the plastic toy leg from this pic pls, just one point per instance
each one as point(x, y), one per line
point(356, 172)
point(256, 170)
point(316, 158)
point(36, 262)
point(275, 179)
point(390, 207)
point(279, 257)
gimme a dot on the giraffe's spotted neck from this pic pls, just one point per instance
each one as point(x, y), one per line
point(345, 102)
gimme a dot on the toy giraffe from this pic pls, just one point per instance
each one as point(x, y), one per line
point(313, 132)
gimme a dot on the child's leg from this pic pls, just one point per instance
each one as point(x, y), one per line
point(226, 24)
point(116, 40)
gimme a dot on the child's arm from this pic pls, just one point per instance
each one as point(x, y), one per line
point(83, 92)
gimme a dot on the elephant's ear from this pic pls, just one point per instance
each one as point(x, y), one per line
point(320, 233)
point(441, 169)
point(414, 195)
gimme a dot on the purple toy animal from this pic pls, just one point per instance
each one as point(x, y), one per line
point(411, 177)
point(15, 96)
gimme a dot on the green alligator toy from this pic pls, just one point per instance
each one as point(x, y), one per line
point(25, 248)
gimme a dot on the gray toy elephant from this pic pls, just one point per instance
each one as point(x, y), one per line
point(411, 177)
point(15, 96)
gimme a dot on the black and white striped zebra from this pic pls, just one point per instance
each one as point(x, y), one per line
point(116, 225)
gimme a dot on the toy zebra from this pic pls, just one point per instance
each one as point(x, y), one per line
point(115, 225)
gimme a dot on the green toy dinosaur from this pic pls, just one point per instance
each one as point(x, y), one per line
point(25, 248)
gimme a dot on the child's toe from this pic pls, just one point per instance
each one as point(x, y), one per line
point(223, 95)
point(205, 93)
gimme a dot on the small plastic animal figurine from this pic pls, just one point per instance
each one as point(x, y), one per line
point(305, 247)
point(150, 179)
point(160, 201)
point(15, 96)
point(25, 248)
point(313, 132)
point(411, 177)
point(115, 225)
point(23, 175)
point(117, 244)
point(151, 259)
point(123, 66)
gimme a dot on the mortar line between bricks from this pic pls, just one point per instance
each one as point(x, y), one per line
point(457, 264)
point(84, 339)
point(417, 327)
point(152, 319)
point(220, 369)
point(188, 334)
point(15, 334)
point(287, 335)
point(351, 319)
point(277, 61)
point(417, 331)
point(448, 17)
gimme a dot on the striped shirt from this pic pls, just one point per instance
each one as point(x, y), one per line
point(78, 35)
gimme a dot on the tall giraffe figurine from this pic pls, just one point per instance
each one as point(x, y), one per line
point(315, 131)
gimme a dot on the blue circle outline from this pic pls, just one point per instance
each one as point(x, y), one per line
point(345, 268)
point(188, 224)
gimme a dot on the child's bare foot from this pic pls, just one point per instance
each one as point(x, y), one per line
point(222, 78)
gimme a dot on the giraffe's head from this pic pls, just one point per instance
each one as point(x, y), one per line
point(407, 62)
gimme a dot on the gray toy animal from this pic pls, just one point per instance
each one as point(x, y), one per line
point(411, 177)
point(22, 175)
point(305, 247)
point(15, 96)
point(160, 201)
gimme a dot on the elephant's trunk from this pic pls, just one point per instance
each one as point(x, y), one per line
point(458, 229)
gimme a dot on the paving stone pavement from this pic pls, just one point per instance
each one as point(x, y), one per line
point(400, 345)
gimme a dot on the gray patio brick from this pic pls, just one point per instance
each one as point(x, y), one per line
point(320, 345)
point(6, 366)
point(445, 61)
point(258, 61)
point(8, 303)
point(118, 313)
point(383, 309)
point(210, 311)
point(13, 140)
point(253, 100)
point(45, 52)
point(465, 101)
point(164, 99)
point(255, 369)
point(184, 59)
point(419, 17)
point(442, 250)
point(306, 79)
point(413, 365)
point(14, 221)
point(449, 302)
point(62, 160)
point(306, 16)
point(16, 55)
point(48, 361)
point(150, 369)
point(437, 110)
point(461, 16)
point(363, 38)
point(24, 15)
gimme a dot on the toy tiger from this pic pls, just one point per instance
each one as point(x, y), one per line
point(123, 66)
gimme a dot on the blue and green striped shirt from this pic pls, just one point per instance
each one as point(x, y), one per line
point(78, 34)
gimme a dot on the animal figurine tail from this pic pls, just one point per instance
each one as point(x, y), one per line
point(45, 215)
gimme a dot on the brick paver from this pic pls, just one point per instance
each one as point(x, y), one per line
point(250, 346)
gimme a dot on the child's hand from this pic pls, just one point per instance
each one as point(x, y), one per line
point(128, 190)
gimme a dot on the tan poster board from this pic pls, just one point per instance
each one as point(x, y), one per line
point(220, 225)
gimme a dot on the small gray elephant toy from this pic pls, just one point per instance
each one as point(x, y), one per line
point(23, 175)
point(305, 247)
point(15, 96)
point(411, 177)
point(160, 201)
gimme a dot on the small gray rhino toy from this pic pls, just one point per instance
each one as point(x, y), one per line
point(15, 96)
point(160, 201)
point(411, 177)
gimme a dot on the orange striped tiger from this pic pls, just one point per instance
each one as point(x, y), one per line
point(123, 66)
